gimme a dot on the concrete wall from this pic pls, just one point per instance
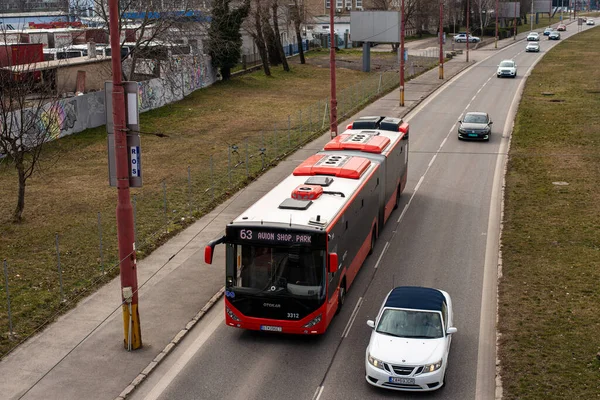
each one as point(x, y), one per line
point(95, 76)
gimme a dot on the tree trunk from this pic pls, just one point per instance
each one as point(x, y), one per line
point(260, 41)
point(18, 214)
point(269, 38)
point(278, 43)
point(298, 33)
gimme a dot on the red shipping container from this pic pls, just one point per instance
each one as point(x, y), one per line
point(21, 53)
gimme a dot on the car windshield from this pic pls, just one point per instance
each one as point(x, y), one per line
point(506, 64)
point(410, 324)
point(475, 119)
point(296, 270)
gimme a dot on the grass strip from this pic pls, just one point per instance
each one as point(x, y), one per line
point(549, 294)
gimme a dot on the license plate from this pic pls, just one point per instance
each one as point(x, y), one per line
point(270, 328)
point(403, 381)
point(472, 134)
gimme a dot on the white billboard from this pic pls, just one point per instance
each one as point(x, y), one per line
point(508, 10)
point(375, 26)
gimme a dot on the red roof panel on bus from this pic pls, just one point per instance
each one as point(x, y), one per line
point(360, 142)
point(341, 166)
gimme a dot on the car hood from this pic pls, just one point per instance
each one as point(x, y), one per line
point(399, 351)
point(472, 126)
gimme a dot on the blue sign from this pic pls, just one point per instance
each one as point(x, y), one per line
point(405, 54)
point(134, 156)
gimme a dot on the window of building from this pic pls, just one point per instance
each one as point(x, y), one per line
point(339, 4)
point(327, 3)
point(359, 4)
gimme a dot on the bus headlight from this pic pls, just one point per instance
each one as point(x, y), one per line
point(313, 322)
point(231, 314)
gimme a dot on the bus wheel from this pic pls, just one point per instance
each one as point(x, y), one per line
point(397, 199)
point(372, 242)
point(341, 298)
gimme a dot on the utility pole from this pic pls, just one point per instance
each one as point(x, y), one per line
point(496, 37)
point(515, 22)
point(125, 229)
point(468, 31)
point(441, 39)
point(531, 16)
point(333, 108)
point(402, 27)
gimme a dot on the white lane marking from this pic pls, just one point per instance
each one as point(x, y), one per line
point(421, 179)
point(318, 392)
point(485, 387)
point(387, 244)
point(403, 211)
point(444, 141)
point(185, 358)
point(433, 158)
point(468, 105)
point(352, 318)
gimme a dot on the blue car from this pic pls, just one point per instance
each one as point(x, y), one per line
point(547, 31)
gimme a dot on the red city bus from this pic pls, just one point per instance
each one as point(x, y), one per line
point(291, 256)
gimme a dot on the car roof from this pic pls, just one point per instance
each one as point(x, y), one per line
point(476, 113)
point(415, 297)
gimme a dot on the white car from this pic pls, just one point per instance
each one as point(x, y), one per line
point(411, 339)
point(462, 38)
point(533, 37)
point(532, 46)
point(507, 68)
point(590, 22)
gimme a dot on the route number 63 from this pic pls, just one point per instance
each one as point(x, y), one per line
point(246, 234)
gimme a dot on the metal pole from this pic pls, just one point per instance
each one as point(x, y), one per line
point(190, 190)
point(212, 179)
point(62, 293)
point(468, 31)
point(263, 148)
point(10, 326)
point(164, 185)
point(100, 240)
point(333, 110)
point(496, 37)
point(124, 212)
point(515, 22)
point(441, 74)
point(229, 164)
point(531, 16)
point(402, 28)
point(135, 218)
point(289, 132)
point(300, 125)
point(247, 162)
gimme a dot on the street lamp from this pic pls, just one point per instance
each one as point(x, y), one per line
point(402, 26)
point(333, 108)
point(515, 22)
point(531, 16)
point(468, 32)
point(496, 37)
point(442, 40)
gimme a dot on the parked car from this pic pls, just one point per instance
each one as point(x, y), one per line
point(532, 47)
point(561, 28)
point(590, 22)
point(533, 36)
point(555, 35)
point(475, 125)
point(547, 31)
point(411, 338)
point(462, 38)
point(507, 68)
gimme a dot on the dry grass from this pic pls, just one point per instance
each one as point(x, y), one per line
point(549, 293)
point(65, 198)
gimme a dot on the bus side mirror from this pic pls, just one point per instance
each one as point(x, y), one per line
point(333, 263)
point(209, 249)
point(208, 254)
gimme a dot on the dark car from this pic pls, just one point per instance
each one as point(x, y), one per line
point(547, 31)
point(475, 125)
point(555, 35)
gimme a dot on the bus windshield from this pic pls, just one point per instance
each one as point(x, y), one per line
point(295, 270)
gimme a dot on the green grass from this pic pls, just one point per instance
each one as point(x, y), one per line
point(253, 112)
point(550, 292)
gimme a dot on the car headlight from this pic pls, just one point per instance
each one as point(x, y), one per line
point(375, 362)
point(432, 367)
point(461, 130)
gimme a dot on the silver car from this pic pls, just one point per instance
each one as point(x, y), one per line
point(532, 46)
point(475, 125)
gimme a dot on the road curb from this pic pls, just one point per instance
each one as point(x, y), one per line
point(169, 347)
point(141, 377)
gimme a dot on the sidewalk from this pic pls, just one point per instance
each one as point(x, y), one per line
point(81, 355)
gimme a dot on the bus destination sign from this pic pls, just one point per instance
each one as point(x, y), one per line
point(257, 235)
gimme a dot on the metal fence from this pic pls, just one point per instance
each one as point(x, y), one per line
point(83, 259)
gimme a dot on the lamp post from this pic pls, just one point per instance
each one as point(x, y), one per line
point(332, 44)
point(515, 22)
point(496, 37)
point(441, 39)
point(402, 27)
point(531, 16)
point(468, 32)
point(562, 9)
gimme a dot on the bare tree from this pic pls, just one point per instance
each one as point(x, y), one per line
point(296, 16)
point(30, 115)
point(257, 35)
point(269, 34)
point(278, 44)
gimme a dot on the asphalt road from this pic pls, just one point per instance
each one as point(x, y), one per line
point(448, 218)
